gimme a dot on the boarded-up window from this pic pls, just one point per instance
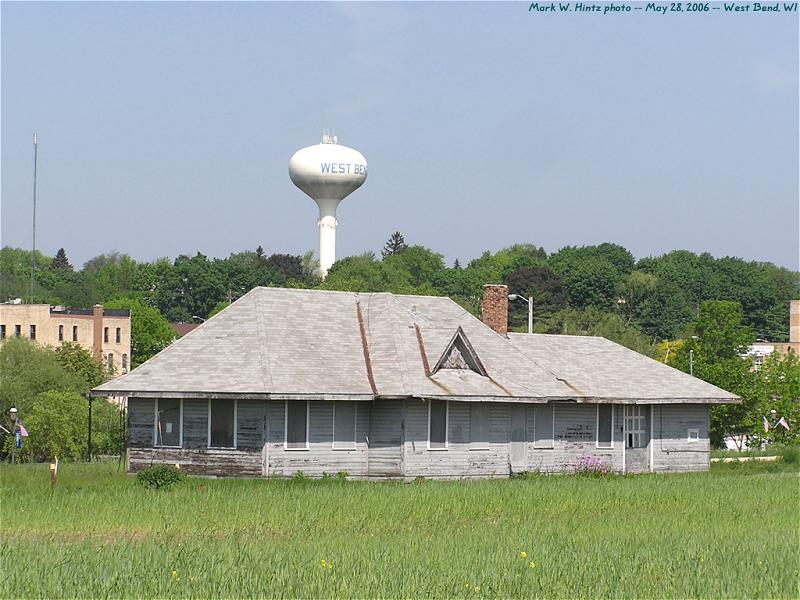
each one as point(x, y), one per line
point(437, 424)
point(168, 422)
point(605, 419)
point(105, 335)
point(74, 333)
point(32, 332)
point(543, 426)
point(119, 335)
point(60, 333)
point(479, 426)
point(344, 425)
point(222, 417)
point(297, 424)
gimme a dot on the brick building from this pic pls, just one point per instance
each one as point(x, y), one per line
point(104, 332)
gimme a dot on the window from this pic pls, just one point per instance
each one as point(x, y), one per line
point(124, 363)
point(605, 420)
point(297, 425)
point(693, 435)
point(543, 425)
point(221, 423)
point(105, 335)
point(74, 333)
point(17, 330)
point(110, 362)
point(635, 426)
point(344, 425)
point(437, 424)
point(119, 335)
point(2, 332)
point(479, 426)
point(32, 332)
point(169, 418)
point(60, 333)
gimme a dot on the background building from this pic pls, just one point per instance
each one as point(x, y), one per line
point(104, 332)
point(761, 348)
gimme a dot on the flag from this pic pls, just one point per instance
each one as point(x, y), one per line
point(766, 424)
point(783, 423)
point(22, 431)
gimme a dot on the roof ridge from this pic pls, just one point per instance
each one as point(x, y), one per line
point(391, 306)
point(263, 337)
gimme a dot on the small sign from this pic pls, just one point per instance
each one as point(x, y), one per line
point(18, 435)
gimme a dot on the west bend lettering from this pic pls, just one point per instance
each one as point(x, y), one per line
point(343, 168)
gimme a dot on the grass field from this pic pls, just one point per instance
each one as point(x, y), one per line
point(729, 533)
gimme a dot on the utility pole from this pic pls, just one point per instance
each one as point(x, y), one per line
point(33, 253)
point(530, 314)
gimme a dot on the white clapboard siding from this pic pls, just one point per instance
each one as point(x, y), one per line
point(672, 451)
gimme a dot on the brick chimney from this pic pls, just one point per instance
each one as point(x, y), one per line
point(97, 331)
point(794, 322)
point(494, 307)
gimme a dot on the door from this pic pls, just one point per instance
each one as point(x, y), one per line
point(518, 443)
point(385, 439)
point(637, 438)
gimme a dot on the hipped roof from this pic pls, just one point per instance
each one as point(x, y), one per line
point(289, 343)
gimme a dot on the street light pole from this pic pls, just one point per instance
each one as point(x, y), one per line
point(13, 411)
point(691, 362)
point(530, 314)
point(89, 437)
point(529, 301)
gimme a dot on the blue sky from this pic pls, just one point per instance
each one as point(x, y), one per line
point(166, 128)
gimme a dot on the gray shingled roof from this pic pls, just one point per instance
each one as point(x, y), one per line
point(286, 343)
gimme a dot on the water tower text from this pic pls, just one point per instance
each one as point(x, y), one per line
point(344, 168)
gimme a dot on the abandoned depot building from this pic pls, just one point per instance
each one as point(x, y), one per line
point(389, 386)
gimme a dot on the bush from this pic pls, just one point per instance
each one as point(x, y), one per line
point(159, 477)
point(57, 424)
point(790, 455)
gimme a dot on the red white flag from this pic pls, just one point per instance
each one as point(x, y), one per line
point(22, 431)
point(766, 424)
point(784, 424)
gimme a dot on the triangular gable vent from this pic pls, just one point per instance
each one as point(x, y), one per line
point(459, 354)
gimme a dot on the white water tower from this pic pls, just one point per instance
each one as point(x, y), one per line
point(328, 173)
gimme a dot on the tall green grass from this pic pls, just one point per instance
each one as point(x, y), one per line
point(728, 533)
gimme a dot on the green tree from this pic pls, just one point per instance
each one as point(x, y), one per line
point(74, 358)
point(592, 282)
point(634, 291)
point(288, 265)
point(60, 261)
point(57, 423)
point(717, 355)
point(493, 268)
point(777, 387)
point(421, 264)
point(150, 331)
point(394, 245)
point(27, 369)
point(541, 283)
point(365, 274)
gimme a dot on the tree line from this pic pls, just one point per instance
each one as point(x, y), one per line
point(600, 289)
point(663, 306)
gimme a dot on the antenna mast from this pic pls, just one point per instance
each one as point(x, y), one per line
point(33, 253)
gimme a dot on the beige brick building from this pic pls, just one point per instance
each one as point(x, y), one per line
point(106, 333)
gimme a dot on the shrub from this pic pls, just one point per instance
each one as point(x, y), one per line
point(591, 465)
point(790, 455)
point(160, 477)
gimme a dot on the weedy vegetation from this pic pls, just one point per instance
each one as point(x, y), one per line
point(728, 533)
